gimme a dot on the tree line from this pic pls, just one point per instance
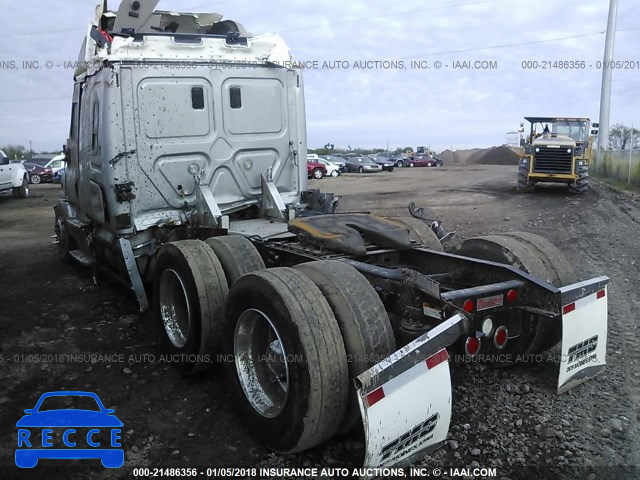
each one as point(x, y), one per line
point(20, 152)
point(622, 137)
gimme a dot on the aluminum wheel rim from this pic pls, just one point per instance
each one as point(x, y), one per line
point(35, 179)
point(175, 310)
point(261, 363)
point(317, 174)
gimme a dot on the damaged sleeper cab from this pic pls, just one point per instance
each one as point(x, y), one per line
point(191, 183)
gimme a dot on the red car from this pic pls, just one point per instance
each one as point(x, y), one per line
point(38, 170)
point(316, 170)
point(425, 161)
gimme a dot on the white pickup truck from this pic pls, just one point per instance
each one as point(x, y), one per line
point(13, 176)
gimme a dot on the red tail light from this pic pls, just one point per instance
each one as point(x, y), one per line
point(568, 308)
point(468, 306)
point(472, 346)
point(512, 296)
point(500, 337)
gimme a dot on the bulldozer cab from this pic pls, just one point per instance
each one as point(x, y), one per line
point(576, 129)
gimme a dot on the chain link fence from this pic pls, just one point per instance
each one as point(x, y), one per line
point(623, 166)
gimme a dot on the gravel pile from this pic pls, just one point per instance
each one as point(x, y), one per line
point(494, 156)
point(459, 156)
point(482, 156)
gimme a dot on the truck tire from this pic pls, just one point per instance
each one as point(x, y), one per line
point(420, 232)
point(288, 364)
point(523, 179)
point(559, 270)
point(539, 257)
point(23, 190)
point(189, 293)
point(364, 323)
point(237, 255)
point(66, 243)
point(581, 185)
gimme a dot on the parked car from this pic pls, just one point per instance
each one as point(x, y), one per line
point(316, 170)
point(58, 177)
point(333, 169)
point(38, 170)
point(57, 163)
point(385, 162)
point(426, 161)
point(336, 159)
point(14, 177)
point(401, 160)
point(362, 165)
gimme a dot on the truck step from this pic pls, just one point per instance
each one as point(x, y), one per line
point(81, 257)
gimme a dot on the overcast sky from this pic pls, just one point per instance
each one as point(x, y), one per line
point(442, 107)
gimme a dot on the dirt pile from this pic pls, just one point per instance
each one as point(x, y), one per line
point(495, 156)
point(482, 156)
point(458, 156)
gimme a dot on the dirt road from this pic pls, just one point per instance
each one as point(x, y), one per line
point(53, 319)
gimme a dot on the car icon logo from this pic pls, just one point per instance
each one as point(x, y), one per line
point(69, 425)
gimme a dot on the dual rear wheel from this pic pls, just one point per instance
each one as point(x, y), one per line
point(528, 333)
point(292, 339)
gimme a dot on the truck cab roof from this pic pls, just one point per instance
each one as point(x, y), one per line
point(148, 35)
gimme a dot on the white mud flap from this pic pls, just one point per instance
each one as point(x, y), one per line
point(584, 332)
point(405, 400)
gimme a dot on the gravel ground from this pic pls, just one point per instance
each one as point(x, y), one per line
point(508, 419)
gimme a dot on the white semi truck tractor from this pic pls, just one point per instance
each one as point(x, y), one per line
point(186, 181)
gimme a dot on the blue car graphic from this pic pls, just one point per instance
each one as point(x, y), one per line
point(36, 434)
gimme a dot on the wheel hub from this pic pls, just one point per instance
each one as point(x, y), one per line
point(261, 363)
point(175, 310)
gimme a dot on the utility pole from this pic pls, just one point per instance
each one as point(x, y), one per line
point(630, 154)
point(605, 95)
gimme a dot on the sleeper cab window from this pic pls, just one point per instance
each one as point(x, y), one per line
point(235, 94)
point(197, 98)
point(95, 127)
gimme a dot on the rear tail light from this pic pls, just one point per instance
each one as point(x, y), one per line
point(468, 306)
point(472, 346)
point(500, 337)
point(512, 296)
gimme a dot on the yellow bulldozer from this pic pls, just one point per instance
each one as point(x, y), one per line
point(557, 150)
